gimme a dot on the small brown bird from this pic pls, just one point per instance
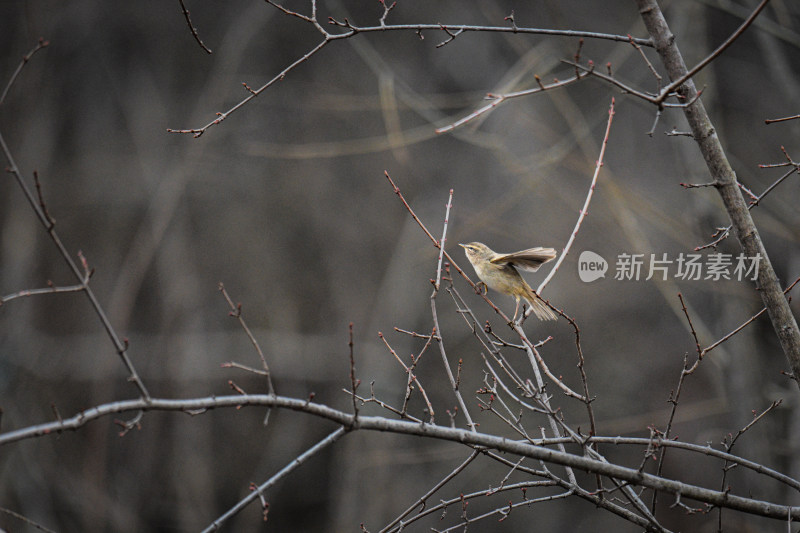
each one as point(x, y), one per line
point(498, 272)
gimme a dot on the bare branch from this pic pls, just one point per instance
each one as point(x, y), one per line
point(713, 55)
point(371, 423)
point(783, 321)
point(424, 498)
point(27, 57)
point(47, 222)
point(193, 29)
point(585, 210)
point(236, 312)
point(452, 30)
point(773, 120)
point(745, 323)
point(53, 289)
point(497, 99)
point(25, 519)
point(259, 491)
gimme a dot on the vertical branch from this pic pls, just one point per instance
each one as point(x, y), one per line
point(437, 329)
point(354, 383)
point(236, 312)
point(434, 314)
point(586, 203)
point(704, 134)
point(120, 345)
point(193, 29)
point(675, 396)
point(443, 241)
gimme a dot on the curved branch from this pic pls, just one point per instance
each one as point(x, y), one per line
point(375, 423)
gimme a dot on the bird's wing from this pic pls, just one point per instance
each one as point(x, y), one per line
point(530, 259)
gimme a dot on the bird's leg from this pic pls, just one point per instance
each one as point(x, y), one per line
point(481, 287)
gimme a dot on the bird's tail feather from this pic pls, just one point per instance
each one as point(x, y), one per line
point(540, 309)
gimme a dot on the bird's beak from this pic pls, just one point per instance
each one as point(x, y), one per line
point(462, 245)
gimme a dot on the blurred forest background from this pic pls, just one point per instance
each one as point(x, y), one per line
point(286, 203)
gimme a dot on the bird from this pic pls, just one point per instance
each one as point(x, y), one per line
point(499, 273)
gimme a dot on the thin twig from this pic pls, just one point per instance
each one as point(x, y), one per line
point(27, 57)
point(729, 443)
point(713, 55)
point(773, 120)
point(236, 312)
point(700, 352)
point(745, 323)
point(497, 99)
point(722, 233)
point(412, 377)
point(120, 345)
point(674, 397)
point(502, 511)
point(443, 242)
point(26, 520)
point(197, 132)
point(40, 209)
point(193, 29)
point(44, 290)
point(585, 210)
point(351, 30)
point(454, 383)
point(258, 491)
point(354, 383)
point(650, 66)
point(421, 501)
